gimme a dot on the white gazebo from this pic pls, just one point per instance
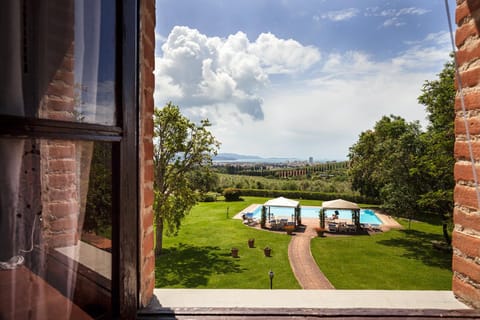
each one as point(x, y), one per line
point(341, 204)
point(283, 202)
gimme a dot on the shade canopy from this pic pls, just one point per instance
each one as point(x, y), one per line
point(340, 204)
point(282, 202)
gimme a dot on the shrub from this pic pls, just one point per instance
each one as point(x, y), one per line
point(231, 194)
point(324, 196)
point(208, 198)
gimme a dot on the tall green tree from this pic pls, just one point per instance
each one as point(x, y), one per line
point(435, 166)
point(381, 162)
point(180, 148)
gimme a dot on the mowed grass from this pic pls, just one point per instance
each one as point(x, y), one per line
point(398, 259)
point(199, 257)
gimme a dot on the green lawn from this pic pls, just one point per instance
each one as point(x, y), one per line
point(199, 257)
point(398, 259)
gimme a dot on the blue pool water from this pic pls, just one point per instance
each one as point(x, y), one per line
point(366, 215)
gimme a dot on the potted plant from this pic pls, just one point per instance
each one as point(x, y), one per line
point(289, 229)
point(251, 243)
point(320, 231)
point(235, 252)
point(267, 251)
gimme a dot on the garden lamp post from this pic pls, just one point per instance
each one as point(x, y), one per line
point(270, 275)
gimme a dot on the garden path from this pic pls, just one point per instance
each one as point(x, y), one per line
point(308, 275)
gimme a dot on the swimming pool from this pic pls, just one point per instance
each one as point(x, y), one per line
point(366, 215)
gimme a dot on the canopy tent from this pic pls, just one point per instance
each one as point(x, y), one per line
point(340, 204)
point(284, 202)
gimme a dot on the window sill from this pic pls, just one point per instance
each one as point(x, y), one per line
point(232, 303)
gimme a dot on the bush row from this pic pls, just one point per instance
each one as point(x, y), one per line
point(323, 196)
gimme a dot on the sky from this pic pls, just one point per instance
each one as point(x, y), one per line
point(297, 78)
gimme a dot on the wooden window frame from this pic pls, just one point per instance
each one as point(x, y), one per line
point(125, 143)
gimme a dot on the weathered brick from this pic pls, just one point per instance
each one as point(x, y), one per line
point(473, 125)
point(147, 84)
point(467, 220)
point(148, 244)
point(61, 194)
point(148, 129)
point(466, 292)
point(61, 152)
point(465, 196)
point(465, 31)
point(461, 150)
point(465, 9)
point(470, 77)
point(60, 104)
point(468, 54)
point(60, 89)
point(61, 166)
point(148, 197)
point(471, 99)
point(62, 209)
point(468, 244)
point(148, 150)
point(466, 267)
point(147, 219)
point(68, 223)
point(463, 171)
point(149, 173)
point(58, 181)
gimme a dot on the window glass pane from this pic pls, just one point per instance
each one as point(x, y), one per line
point(55, 221)
point(59, 60)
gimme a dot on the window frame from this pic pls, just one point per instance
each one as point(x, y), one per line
point(125, 149)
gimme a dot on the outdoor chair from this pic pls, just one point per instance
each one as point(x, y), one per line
point(332, 227)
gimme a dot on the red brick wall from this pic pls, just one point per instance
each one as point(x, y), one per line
point(60, 167)
point(146, 88)
point(466, 235)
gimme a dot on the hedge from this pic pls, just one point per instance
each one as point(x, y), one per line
point(323, 196)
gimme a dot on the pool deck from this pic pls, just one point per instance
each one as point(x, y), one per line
point(303, 265)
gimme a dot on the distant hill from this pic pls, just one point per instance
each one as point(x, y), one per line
point(233, 157)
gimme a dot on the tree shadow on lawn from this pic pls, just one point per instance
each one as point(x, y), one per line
point(418, 246)
point(189, 266)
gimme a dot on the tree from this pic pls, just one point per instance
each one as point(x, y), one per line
point(435, 166)
point(381, 161)
point(406, 169)
point(181, 147)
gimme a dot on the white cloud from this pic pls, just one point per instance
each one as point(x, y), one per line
point(395, 22)
point(320, 113)
point(283, 56)
point(323, 116)
point(395, 16)
point(339, 15)
point(208, 73)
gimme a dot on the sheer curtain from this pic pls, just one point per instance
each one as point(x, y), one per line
point(44, 183)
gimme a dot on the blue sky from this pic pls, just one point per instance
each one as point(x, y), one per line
point(297, 78)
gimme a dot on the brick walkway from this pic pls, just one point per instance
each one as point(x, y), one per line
point(308, 275)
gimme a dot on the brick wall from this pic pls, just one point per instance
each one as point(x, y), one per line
point(60, 166)
point(466, 235)
point(146, 88)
